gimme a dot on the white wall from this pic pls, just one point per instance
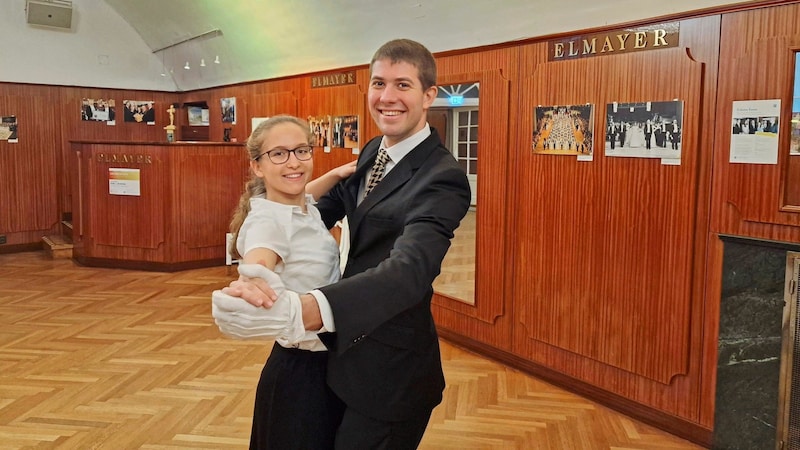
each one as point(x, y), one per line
point(101, 50)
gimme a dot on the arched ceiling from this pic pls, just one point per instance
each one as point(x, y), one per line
point(263, 39)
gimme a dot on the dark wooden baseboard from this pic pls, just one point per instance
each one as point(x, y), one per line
point(19, 248)
point(659, 419)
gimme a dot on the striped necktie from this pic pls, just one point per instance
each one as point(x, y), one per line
point(378, 169)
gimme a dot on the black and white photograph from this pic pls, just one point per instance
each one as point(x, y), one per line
point(563, 129)
point(644, 129)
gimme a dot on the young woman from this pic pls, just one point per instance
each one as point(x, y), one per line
point(280, 236)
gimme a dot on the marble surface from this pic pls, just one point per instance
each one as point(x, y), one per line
point(749, 347)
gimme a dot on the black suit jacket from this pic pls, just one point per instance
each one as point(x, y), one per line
point(384, 356)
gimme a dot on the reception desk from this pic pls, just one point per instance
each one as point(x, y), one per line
point(154, 205)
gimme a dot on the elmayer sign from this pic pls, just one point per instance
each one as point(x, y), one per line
point(612, 43)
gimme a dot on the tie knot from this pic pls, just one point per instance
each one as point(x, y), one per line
point(383, 156)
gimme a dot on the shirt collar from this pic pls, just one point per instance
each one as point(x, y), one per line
point(293, 209)
point(404, 147)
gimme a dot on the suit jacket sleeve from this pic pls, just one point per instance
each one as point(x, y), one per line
point(398, 242)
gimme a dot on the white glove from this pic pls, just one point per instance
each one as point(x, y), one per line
point(239, 319)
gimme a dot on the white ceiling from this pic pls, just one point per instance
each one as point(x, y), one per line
point(263, 39)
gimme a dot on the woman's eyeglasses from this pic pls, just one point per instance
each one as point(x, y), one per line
point(280, 155)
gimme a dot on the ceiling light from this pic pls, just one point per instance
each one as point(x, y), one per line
point(216, 60)
point(202, 62)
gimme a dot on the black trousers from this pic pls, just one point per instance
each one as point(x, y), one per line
point(294, 408)
point(359, 432)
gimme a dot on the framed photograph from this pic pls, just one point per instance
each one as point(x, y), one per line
point(321, 129)
point(228, 110)
point(139, 111)
point(345, 131)
point(198, 116)
point(8, 128)
point(98, 110)
point(647, 129)
point(563, 129)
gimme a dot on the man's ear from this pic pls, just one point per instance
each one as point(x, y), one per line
point(430, 96)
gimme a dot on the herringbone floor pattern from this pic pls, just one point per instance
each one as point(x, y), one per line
point(115, 359)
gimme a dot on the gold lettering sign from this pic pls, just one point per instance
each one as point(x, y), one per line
point(654, 37)
point(122, 158)
point(333, 79)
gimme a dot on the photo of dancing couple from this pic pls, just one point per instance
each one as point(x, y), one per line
point(644, 129)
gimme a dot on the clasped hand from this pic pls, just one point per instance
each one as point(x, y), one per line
point(246, 319)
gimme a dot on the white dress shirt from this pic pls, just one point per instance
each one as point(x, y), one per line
point(308, 252)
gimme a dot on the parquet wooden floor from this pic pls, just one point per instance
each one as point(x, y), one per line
point(115, 359)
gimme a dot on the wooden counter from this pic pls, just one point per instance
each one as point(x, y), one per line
point(154, 205)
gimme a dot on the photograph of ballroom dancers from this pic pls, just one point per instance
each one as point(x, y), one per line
point(645, 126)
point(563, 129)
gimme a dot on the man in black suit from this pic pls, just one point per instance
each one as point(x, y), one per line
point(612, 133)
point(674, 130)
point(648, 133)
point(384, 362)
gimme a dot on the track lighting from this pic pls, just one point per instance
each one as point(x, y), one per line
point(187, 66)
point(202, 62)
point(216, 60)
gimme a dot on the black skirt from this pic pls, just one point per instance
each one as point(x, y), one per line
point(294, 408)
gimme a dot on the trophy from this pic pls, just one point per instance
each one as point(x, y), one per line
point(171, 127)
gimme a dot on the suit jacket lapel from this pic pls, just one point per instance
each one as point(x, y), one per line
point(397, 177)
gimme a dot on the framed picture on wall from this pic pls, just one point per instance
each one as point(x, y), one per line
point(8, 129)
point(345, 131)
point(563, 129)
point(321, 129)
point(228, 110)
point(98, 110)
point(646, 129)
point(139, 111)
point(198, 116)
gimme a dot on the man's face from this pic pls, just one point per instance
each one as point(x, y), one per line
point(397, 101)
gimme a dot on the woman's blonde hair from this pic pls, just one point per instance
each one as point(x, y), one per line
point(255, 186)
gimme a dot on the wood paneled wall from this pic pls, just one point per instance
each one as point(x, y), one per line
point(603, 275)
point(758, 201)
point(35, 174)
point(29, 168)
point(757, 62)
point(607, 282)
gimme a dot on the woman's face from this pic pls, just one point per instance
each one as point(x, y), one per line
point(286, 182)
